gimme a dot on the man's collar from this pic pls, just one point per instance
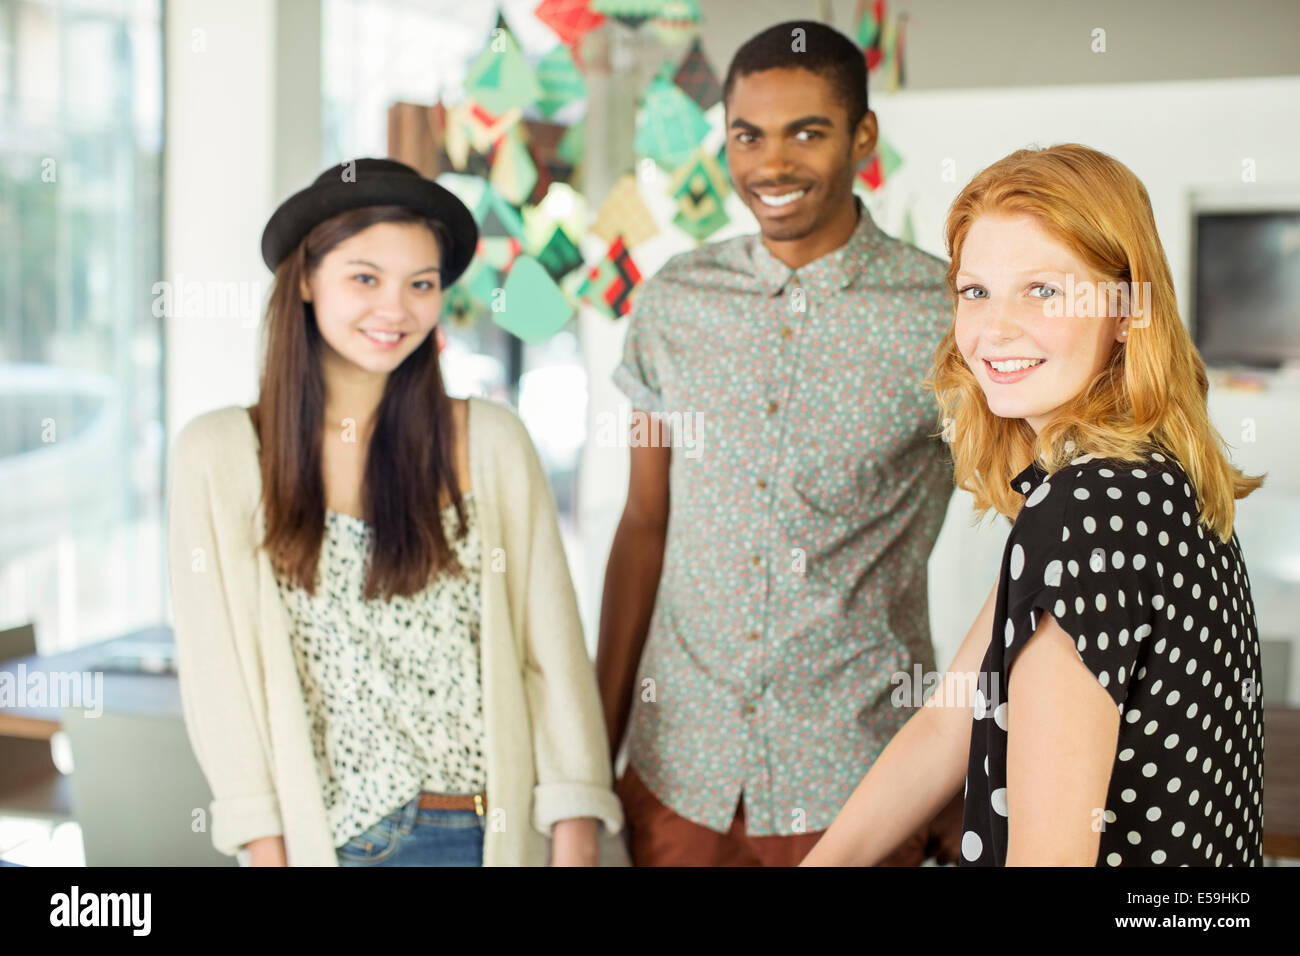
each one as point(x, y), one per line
point(841, 266)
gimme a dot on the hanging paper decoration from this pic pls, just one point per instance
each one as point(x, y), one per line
point(573, 145)
point(543, 141)
point(871, 18)
point(881, 166)
point(459, 306)
point(513, 174)
point(571, 20)
point(700, 188)
point(678, 20)
point(560, 255)
point(624, 213)
point(471, 128)
point(610, 284)
point(695, 77)
point(531, 306)
point(560, 81)
point(895, 59)
point(495, 217)
point(501, 79)
point(630, 13)
point(881, 38)
point(561, 206)
point(478, 281)
point(669, 125)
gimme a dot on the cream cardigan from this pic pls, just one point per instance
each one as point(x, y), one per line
point(546, 749)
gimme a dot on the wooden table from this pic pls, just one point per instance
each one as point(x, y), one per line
point(150, 695)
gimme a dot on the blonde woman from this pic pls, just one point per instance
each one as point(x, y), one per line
point(381, 661)
point(1104, 708)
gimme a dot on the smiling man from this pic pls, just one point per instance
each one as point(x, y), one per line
point(750, 630)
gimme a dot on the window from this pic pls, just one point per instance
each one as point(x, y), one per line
point(81, 435)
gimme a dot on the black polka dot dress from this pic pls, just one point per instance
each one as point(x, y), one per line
point(1161, 613)
point(392, 687)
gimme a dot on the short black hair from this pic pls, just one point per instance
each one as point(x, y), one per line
point(819, 49)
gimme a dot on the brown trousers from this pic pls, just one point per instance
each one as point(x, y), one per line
point(659, 837)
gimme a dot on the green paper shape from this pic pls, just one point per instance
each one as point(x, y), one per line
point(560, 81)
point(573, 144)
point(459, 307)
point(514, 174)
point(534, 308)
point(698, 187)
point(496, 217)
point(670, 125)
point(701, 228)
point(501, 79)
point(630, 13)
point(889, 159)
point(484, 283)
point(560, 256)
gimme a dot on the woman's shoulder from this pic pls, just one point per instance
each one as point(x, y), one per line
point(1118, 481)
point(212, 434)
point(497, 432)
point(1105, 499)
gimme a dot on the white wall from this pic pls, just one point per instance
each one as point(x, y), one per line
point(232, 68)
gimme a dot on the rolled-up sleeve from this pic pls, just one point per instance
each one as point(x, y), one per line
point(570, 752)
point(638, 374)
point(217, 677)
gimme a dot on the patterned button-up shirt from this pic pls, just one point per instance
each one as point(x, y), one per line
point(808, 482)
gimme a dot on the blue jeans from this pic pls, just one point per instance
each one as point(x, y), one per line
point(416, 836)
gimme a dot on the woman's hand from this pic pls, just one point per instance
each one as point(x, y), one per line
point(266, 851)
point(576, 842)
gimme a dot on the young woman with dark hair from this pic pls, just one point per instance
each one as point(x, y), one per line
point(381, 660)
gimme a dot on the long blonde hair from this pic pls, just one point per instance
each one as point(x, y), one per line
point(1150, 395)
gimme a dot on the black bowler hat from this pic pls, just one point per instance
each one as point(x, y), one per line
point(371, 182)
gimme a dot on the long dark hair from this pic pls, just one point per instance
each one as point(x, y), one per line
point(409, 462)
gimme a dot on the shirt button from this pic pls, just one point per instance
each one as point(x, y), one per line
point(757, 560)
point(772, 407)
point(761, 484)
point(749, 709)
point(752, 636)
point(786, 332)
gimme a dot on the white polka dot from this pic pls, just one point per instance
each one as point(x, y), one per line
point(998, 798)
point(1038, 495)
point(971, 846)
point(1017, 561)
point(1009, 633)
point(1081, 494)
point(1089, 524)
point(1000, 715)
point(1052, 573)
point(1139, 562)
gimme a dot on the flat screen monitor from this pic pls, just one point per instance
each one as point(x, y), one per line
point(1248, 287)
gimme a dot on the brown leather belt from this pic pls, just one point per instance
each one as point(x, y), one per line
point(454, 801)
